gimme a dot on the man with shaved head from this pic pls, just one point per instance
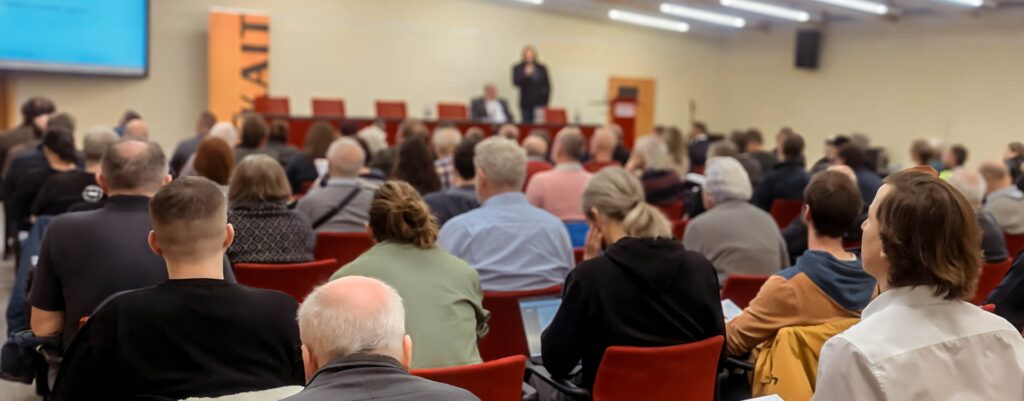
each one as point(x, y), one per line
point(195, 335)
point(355, 348)
point(1002, 199)
point(560, 190)
point(136, 129)
point(343, 205)
point(602, 150)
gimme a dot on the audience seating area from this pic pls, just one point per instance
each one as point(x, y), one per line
point(496, 380)
point(296, 280)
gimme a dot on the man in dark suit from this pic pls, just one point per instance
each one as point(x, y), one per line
point(490, 107)
point(534, 84)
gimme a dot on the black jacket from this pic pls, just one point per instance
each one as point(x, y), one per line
point(478, 110)
point(641, 292)
point(1009, 294)
point(786, 181)
point(374, 377)
point(534, 90)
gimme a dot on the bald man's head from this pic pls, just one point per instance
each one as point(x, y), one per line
point(133, 166)
point(846, 170)
point(352, 315)
point(346, 158)
point(136, 129)
point(997, 176)
point(602, 144)
point(536, 146)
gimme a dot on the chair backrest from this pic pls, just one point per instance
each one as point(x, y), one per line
point(390, 109)
point(507, 336)
point(534, 167)
point(271, 105)
point(679, 228)
point(343, 247)
point(497, 380)
point(673, 211)
point(742, 288)
point(990, 308)
point(297, 279)
point(329, 108)
point(577, 255)
point(675, 373)
point(577, 232)
point(991, 275)
point(554, 115)
point(784, 211)
point(1014, 244)
point(452, 111)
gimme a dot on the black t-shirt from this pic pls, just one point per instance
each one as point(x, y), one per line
point(62, 190)
point(184, 338)
point(25, 193)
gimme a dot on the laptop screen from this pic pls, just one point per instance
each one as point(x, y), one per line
point(537, 314)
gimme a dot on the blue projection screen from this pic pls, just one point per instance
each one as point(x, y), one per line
point(104, 37)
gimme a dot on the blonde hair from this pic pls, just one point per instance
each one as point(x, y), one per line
point(618, 195)
point(259, 178)
point(399, 214)
point(653, 152)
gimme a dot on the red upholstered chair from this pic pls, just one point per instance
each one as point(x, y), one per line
point(390, 109)
point(343, 247)
point(329, 108)
point(851, 244)
point(271, 105)
point(679, 228)
point(1014, 244)
point(785, 210)
point(742, 288)
point(85, 319)
point(452, 111)
point(534, 167)
point(507, 336)
point(991, 275)
point(497, 380)
point(990, 308)
point(595, 166)
point(577, 255)
point(554, 115)
point(673, 211)
point(297, 280)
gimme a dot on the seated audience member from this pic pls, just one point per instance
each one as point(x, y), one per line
point(1014, 159)
point(921, 153)
point(917, 339)
point(215, 160)
point(832, 145)
point(445, 141)
point(461, 198)
point(536, 156)
point(602, 149)
point(637, 287)
point(729, 149)
point(1008, 296)
point(443, 292)
point(509, 131)
point(224, 131)
point(254, 136)
point(301, 169)
point(34, 115)
point(475, 133)
point(194, 335)
point(136, 128)
point(787, 179)
point(795, 233)
point(64, 190)
point(187, 148)
point(755, 148)
point(59, 150)
point(737, 237)
point(558, 190)
point(698, 146)
point(677, 150)
point(343, 205)
point(266, 231)
point(868, 181)
point(650, 161)
point(76, 270)
point(414, 164)
point(376, 139)
point(25, 159)
point(827, 283)
point(127, 117)
point(492, 237)
point(490, 107)
point(953, 158)
point(972, 187)
point(355, 347)
point(277, 143)
point(621, 154)
point(1002, 199)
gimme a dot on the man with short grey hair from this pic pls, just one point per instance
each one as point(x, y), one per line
point(972, 186)
point(737, 237)
point(492, 237)
point(445, 140)
point(343, 205)
point(354, 346)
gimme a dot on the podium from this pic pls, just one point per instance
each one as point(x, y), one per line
point(623, 113)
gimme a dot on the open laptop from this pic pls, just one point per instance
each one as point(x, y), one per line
point(537, 313)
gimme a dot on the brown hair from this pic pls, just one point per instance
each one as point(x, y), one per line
point(254, 130)
point(930, 235)
point(922, 151)
point(399, 214)
point(318, 138)
point(215, 160)
point(834, 201)
point(414, 164)
point(189, 217)
point(259, 179)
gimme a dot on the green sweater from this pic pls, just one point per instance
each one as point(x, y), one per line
point(444, 314)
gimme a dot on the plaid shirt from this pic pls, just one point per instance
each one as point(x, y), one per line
point(445, 168)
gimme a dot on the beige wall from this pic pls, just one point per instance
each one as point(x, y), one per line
point(421, 51)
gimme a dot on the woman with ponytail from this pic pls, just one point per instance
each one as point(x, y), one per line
point(637, 285)
point(444, 311)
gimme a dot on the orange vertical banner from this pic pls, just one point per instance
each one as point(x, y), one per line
point(238, 60)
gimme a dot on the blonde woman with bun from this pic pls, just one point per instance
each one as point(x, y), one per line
point(637, 286)
point(441, 293)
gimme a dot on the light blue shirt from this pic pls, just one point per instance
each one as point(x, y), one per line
point(1010, 192)
point(513, 245)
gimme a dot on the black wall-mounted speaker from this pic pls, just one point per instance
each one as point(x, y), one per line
point(808, 48)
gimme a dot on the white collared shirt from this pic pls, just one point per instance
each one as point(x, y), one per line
point(495, 112)
point(911, 345)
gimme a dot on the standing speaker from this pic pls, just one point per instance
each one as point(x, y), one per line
point(808, 48)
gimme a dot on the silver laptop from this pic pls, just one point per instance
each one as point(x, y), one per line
point(537, 314)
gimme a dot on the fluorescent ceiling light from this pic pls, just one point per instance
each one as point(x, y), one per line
point(647, 20)
point(769, 9)
point(534, 2)
point(969, 3)
point(702, 15)
point(859, 5)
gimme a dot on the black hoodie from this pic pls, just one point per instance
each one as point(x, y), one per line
point(642, 292)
